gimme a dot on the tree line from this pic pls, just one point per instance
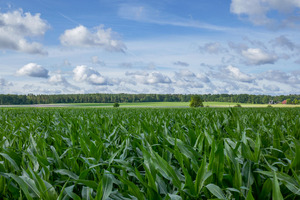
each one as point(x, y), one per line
point(6, 99)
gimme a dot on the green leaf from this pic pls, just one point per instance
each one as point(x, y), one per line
point(165, 167)
point(70, 193)
point(216, 191)
point(266, 190)
point(11, 161)
point(133, 189)
point(174, 197)
point(276, 194)
point(249, 195)
point(107, 184)
point(86, 193)
point(296, 161)
point(90, 184)
point(22, 185)
point(67, 173)
point(218, 164)
point(202, 175)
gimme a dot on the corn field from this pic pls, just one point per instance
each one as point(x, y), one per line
point(148, 153)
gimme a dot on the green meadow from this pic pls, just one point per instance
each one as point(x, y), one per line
point(150, 153)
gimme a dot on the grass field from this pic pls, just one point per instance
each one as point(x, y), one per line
point(149, 153)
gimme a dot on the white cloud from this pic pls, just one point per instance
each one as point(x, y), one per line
point(212, 48)
point(59, 80)
point(186, 73)
point(33, 70)
point(80, 36)
point(235, 74)
point(157, 77)
point(257, 10)
point(257, 56)
point(149, 78)
point(16, 27)
point(83, 73)
point(203, 78)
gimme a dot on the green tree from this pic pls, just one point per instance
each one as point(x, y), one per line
point(295, 101)
point(288, 101)
point(196, 101)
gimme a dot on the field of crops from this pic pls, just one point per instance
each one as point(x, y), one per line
point(149, 153)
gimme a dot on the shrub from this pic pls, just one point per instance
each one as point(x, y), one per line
point(196, 101)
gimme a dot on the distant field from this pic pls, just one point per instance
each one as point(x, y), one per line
point(177, 104)
point(150, 104)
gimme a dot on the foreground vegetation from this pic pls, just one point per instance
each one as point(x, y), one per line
point(142, 153)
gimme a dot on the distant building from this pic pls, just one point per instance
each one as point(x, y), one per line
point(284, 102)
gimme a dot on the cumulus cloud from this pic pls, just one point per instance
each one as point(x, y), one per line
point(80, 36)
point(149, 78)
point(33, 70)
point(83, 73)
point(15, 29)
point(58, 79)
point(257, 10)
point(256, 56)
point(212, 48)
point(185, 74)
point(187, 80)
point(235, 74)
point(203, 78)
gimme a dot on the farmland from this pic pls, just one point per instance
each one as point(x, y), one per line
point(149, 153)
point(154, 104)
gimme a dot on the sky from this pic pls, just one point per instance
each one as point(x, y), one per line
point(139, 46)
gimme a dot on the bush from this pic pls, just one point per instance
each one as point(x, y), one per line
point(116, 105)
point(196, 101)
point(238, 105)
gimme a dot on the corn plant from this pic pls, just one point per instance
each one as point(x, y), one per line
point(142, 153)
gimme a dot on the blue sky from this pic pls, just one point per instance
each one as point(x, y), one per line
point(115, 46)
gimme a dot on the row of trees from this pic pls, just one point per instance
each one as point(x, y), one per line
point(6, 99)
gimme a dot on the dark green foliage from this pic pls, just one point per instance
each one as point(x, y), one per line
point(196, 101)
point(116, 105)
point(6, 99)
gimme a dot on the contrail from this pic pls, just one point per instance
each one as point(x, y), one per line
point(68, 18)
